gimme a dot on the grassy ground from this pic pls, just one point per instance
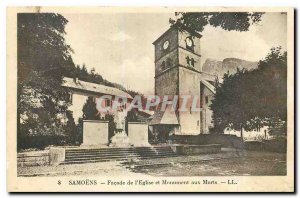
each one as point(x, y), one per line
point(224, 163)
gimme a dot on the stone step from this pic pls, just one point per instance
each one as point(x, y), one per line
point(100, 158)
point(131, 151)
point(114, 155)
point(99, 154)
point(118, 154)
point(106, 160)
point(88, 155)
point(92, 161)
point(111, 152)
point(116, 150)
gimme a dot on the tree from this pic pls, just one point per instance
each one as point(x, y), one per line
point(255, 98)
point(89, 110)
point(228, 105)
point(273, 84)
point(111, 125)
point(79, 130)
point(43, 57)
point(70, 128)
point(41, 44)
point(238, 21)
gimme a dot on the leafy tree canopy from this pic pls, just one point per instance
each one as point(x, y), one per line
point(238, 21)
point(41, 44)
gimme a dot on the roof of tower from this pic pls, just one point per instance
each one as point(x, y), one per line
point(192, 32)
point(209, 86)
point(168, 116)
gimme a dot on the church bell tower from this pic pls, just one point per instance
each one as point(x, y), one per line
point(178, 72)
point(174, 49)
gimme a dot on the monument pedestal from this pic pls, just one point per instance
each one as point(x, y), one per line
point(138, 134)
point(120, 140)
point(95, 133)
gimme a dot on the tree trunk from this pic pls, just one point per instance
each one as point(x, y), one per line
point(242, 136)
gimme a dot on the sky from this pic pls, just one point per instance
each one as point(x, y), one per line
point(119, 46)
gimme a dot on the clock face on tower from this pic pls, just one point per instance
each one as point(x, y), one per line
point(166, 45)
point(189, 42)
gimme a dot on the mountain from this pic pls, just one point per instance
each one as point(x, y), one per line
point(230, 65)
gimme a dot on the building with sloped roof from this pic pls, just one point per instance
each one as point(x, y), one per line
point(81, 90)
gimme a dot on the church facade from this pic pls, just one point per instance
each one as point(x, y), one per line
point(178, 73)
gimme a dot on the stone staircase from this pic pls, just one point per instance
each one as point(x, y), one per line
point(90, 155)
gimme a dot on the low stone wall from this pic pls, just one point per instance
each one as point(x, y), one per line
point(56, 155)
point(33, 158)
point(275, 145)
point(196, 149)
point(204, 139)
point(53, 156)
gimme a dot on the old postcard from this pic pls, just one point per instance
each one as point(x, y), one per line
point(150, 99)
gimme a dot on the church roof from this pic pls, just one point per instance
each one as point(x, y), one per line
point(164, 117)
point(176, 27)
point(93, 87)
point(209, 86)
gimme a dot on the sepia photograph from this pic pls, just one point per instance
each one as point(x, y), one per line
point(150, 99)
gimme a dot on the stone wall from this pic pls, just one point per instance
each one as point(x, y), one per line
point(196, 149)
point(167, 83)
point(204, 139)
point(33, 158)
point(189, 84)
point(57, 155)
point(207, 113)
point(167, 61)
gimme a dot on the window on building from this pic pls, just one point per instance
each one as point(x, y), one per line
point(188, 60)
point(168, 63)
point(192, 62)
point(189, 44)
point(190, 48)
point(70, 99)
point(206, 99)
point(163, 65)
point(107, 103)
